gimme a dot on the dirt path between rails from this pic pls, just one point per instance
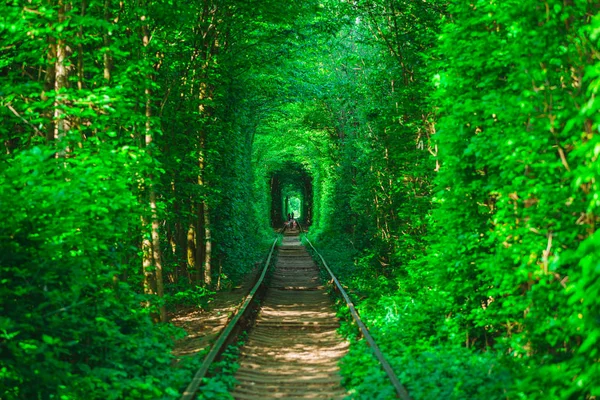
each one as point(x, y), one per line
point(294, 348)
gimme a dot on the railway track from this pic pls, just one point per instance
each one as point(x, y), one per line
point(293, 348)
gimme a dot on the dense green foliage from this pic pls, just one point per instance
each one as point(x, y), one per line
point(67, 324)
point(479, 282)
point(126, 183)
point(445, 154)
point(517, 189)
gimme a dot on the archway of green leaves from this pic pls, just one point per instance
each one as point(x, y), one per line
point(291, 192)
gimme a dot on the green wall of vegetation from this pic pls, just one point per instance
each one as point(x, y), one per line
point(451, 150)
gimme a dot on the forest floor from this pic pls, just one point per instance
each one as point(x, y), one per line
point(203, 326)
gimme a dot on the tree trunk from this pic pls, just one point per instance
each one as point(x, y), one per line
point(199, 243)
point(203, 231)
point(208, 248)
point(157, 254)
point(80, 73)
point(191, 252)
point(153, 270)
point(207, 32)
point(49, 83)
point(147, 259)
point(107, 55)
point(61, 80)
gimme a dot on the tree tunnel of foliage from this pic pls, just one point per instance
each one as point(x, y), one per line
point(445, 154)
point(291, 191)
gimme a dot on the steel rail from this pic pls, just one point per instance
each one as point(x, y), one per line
point(400, 389)
point(219, 345)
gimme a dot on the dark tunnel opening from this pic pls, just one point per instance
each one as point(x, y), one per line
point(291, 192)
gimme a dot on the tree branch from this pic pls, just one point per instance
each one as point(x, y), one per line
point(24, 120)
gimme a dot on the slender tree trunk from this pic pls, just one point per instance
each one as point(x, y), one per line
point(147, 259)
point(208, 248)
point(61, 123)
point(203, 230)
point(80, 72)
point(177, 237)
point(49, 83)
point(199, 244)
point(157, 254)
point(207, 32)
point(191, 252)
point(107, 55)
point(204, 219)
point(153, 268)
point(204, 216)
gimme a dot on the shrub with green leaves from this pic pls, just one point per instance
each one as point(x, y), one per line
point(71, 324)
point(503, 271)
point(518, 185)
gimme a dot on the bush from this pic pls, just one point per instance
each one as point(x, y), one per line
point(71, 325)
